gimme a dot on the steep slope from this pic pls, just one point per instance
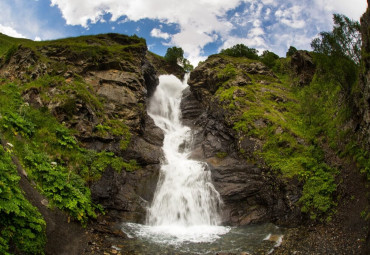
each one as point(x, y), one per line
point(74, 114)
point(269, 160)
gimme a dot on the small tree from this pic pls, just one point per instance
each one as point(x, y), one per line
point(339, 53)
point(240, 50)
point(343, 41)
point(174, 55)
point(291, 51)
point(269, 58)
point(187, 66)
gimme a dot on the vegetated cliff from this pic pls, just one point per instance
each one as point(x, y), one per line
point(272, 141)
point(245, 107)
point(73, 111)
point(73, 122)
point(363, 101)
point(363, 96)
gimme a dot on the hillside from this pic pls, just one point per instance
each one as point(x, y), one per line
point(73, 122)
point(79, 149)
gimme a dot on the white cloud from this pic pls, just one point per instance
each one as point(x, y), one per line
point(197, 20)
point(263, 24)
point(351, 8)
point(20, 15)
point(291, 17)
point(158, 33)
point(10, 31)
point(37, 38)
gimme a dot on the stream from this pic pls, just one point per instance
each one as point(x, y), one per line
point(184, 216)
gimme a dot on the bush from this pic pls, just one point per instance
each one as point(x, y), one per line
point(240, 50)
point(21, 224)
point(269, 58)
point(174, 55)
point(291, 51)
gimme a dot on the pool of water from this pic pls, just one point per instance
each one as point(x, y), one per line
point(254, 239)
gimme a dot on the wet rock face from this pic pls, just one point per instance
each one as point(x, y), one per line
point(249, 192)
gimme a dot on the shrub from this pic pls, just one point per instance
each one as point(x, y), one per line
point(240, 50)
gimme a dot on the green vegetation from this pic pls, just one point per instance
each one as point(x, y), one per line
point(48, 151)
point(175, 56)
point(21, 225)
point(240, 50)
point(291, 51)
point(343, 41)
point(269, 58)
point(268, 110)
point(92, 48)
point(293, 124)
point(270, 113)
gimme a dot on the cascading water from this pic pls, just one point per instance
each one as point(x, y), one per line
point(184, 215)
point(185, 195)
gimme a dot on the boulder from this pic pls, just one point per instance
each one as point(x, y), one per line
point(303, 67)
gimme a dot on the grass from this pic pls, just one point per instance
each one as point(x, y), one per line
point(272, 113)
point(21, 224)
point(39, 139)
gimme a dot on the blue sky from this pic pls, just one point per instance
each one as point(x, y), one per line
point(200, 27)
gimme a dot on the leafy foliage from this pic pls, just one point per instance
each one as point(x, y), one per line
point(227, 73)
point(240, 50)
point(288, 140)
point(50, 153)
point(65, 189)
point(11, 51)
point(187, 66)
point(174, 55)
point(291, 51)
point(20, 223)
point(343, 41)
point(269, 58)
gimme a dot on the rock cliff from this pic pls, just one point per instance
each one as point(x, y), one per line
point(97, 88)
point(363, 97)
point(250, 193)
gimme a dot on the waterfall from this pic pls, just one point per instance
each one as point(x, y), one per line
point(184, 215)
point(185, 195)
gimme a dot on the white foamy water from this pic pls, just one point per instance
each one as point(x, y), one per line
point(185, 205)
point(184, 215)
point(185, 202)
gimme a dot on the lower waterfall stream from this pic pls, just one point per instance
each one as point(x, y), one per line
point(184, 216)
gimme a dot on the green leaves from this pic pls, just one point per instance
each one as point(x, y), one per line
point(174, 55)
point(20, 223)
point(65, 190)
point(343, 41)
point(65, 139)
point(17, 124)
point(339, 54)
point(317, 192)
point(291, 51)
point(240, 50)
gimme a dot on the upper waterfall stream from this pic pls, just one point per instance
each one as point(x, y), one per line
point(185, 195)
point(184, 215)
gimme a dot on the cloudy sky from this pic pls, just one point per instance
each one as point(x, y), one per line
point(200, 27)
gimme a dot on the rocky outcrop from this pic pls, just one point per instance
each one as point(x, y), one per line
point(249, 192)
point(363, 98)
point(303, 67)
point(99, 87)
